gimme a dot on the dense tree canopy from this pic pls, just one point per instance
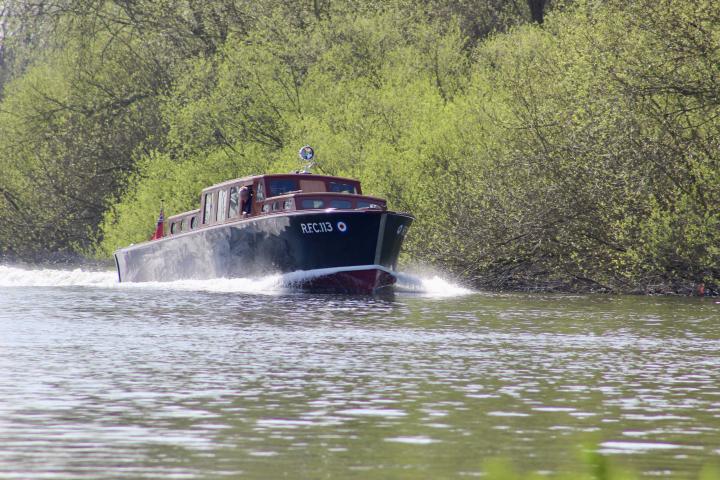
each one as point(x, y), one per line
point(571, 147)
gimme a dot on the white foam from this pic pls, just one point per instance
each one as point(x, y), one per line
point(21, 277)
point(268, 284)
point(431, 285)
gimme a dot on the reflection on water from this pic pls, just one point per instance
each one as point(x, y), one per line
point(189, 383)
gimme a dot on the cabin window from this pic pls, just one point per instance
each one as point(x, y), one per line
point(222, 202)
point(266, 208)
point(287, 205)
point(260, 191)
point(310, 186)
point(340, 204)
point(193, 220)
point(338, 187)
point(364, 204)
point(282, 185)
point(208, 208)
point(275, 206)
point(183, 225)
point(312, 203)
point(234, 203)
point(172, 228)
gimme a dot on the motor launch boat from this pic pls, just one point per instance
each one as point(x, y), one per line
point(318, 230)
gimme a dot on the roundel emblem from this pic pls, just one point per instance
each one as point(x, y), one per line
point(306, 153)
point(342, 227)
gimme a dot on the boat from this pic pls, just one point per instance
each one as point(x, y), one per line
point(320, 232)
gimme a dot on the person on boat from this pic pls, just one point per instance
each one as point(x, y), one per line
point(246, 207)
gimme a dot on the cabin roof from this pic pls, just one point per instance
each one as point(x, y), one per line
point(252, 178)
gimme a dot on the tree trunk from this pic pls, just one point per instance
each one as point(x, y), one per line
point(537, 10)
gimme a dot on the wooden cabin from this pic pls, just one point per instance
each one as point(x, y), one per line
point(272, 195)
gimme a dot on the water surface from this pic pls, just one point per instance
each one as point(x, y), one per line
point(241, 378)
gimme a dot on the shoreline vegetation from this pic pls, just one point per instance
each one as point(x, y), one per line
point(542, 145)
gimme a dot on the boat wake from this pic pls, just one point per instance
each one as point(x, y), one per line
point(429, 284)
point(266, 285)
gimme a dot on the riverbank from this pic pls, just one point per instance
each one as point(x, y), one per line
point(58, 261)
point(586, 286)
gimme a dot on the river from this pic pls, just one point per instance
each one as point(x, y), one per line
point(245, 379)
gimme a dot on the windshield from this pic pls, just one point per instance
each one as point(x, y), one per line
point(339, 187)
point(282, 185)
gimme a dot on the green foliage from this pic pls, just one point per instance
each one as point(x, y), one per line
point(614, 150)
point(579, 154)
point(67, 141)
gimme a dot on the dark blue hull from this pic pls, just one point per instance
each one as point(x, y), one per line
point(352, 251)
